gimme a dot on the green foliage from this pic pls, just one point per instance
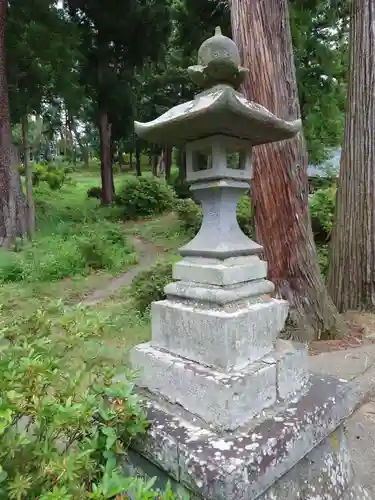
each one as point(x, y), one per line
point(54, 174)
point(42, 50)
point(320, 40)
point(75, 236)
point(10, 267)
point(323, 259)
point(142, 197)
point(245, 216)
point(64, 424)
point(182, 188)
point(77, 250)
point(190, 216)
point(94, 192)
point(322, 209)
point(148, 286)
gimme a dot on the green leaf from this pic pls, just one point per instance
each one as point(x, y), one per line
point(111, 437)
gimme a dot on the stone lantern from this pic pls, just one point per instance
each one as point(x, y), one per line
point(235, 413)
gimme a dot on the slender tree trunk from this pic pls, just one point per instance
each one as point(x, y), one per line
point(121, 159)
point(351, 273)
point(182, 165)
point(168, 163)
point(262, 32)
point(12, 202)
point(28, 176)
point(155, 157)
point(82, 146)
point(138, 170)
point(105, 158)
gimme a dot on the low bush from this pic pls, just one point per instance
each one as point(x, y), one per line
point(53, 174)
point(148, 286)
point(11, 268)
point(75, 250)
point(94, 192)
point(65, 421)
point(190, 216)
point(182, 188)
point(144, 197)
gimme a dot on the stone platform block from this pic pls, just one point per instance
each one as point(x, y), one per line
point(292, 368)
point(229, 271)
point(222, 296)
point(225, 400)
point(227, 339)
point(298, 452)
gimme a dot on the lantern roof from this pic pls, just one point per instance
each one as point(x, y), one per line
point(220, 109)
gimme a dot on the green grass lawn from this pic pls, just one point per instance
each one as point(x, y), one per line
point(49, 278)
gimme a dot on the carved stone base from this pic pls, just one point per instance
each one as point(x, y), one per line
point(226, 399)
point(299, 452)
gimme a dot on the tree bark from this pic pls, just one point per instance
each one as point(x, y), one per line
point(12, 201)
point(28, 176)
point(82, 146)
point(138, 170)
point(155, 157)
point(168, 163)
point(351, 273)
point(182, 165)
point(105, 158)
point(262, 33)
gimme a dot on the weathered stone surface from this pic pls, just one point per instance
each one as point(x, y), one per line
point(220, 236)
point(324, 473)
point(218, 148)
point(220, 110)
point(230, 399)
point(226, 339)
point(292, 368)
point(226, 272)
point(244, 465)
point(253, 291)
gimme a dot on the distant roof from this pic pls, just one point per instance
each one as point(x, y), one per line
point(328, 168)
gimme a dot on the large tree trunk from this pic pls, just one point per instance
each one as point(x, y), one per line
point(28, 177)
point(105, 158)
point(351, 273)
point(12, 202)
point(262, 32)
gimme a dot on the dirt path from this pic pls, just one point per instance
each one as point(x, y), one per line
point(148, 252)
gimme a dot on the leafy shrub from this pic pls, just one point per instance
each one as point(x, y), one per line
point(142, 197)
point(322, 209)
point(148, 286)
point(190, 216)
point(64, 422)
point(94, 192)
point(74, 251)
point(182, 188)
point(245, 216)
point(55, 175)
point(11, 268)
